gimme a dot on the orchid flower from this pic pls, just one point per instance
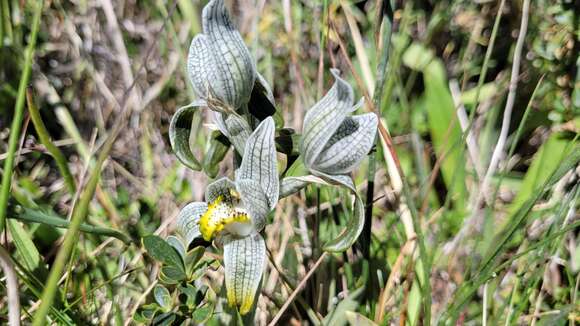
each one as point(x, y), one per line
point(235, 213)
point(224, 77)
point(333, 144)
point(220, 66)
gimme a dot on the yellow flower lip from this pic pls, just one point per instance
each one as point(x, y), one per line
point(219, 214)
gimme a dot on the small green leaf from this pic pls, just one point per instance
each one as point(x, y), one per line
point(160, 250)
point(354, 318)
point(177, 245)
point(203, 313)
point(24, 245)
point(171, 275)
point(297, 169)
point(217, 148)
point(164, 319)
point(162, 297)
point(337, 316)
point(199, 270)
point(190, 293)
point(192, 258)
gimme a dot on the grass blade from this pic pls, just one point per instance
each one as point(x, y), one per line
point(18, 116)
point(44, 137)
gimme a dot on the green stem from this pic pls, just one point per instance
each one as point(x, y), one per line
point(18, 116)
point(44, 137)
point(377, 101)
point(29, 215)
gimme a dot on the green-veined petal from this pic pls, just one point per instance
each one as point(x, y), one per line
point(254, 201)
point(349, 145)
point(235, 128)
point(221, 187)
point(291, 185)
point(234, 74)
point(324, 118)
point(179, 133)
point(259, 161)
point(351, 232)
point(187, 221)
point(244, 263)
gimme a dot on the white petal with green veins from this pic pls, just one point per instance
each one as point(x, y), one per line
point(325, 117)
point(351, 232)
point(221, 60)
point(235, 127)
point(255, 201)
point(187, 221)
point(221, 187)
point(179, 133)
point(259, 161)
point(349, 145)
point(244, 263)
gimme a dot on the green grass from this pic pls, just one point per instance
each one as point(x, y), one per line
point(88, 173)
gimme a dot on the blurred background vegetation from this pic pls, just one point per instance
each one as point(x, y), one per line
point(502, 248)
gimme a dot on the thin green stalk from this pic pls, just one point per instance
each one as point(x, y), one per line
point(6, 27)
point(377, 101)
point(44, 137)
point(18, 116)
point(486, 59)
point(29, 215)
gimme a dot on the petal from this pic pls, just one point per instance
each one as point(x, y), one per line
point(235, 69)
point(291, 185)
point(244, 263)
point(355, 225)
point(187, 221)
point(337, 179)
point(179, 133)
point(351, 232)
point(221, 187)
point(324, 118)
point(259, 161)
point(217, 148)
point(201, 66)
point(235, 127)
point(349, 145)
point(254, 201)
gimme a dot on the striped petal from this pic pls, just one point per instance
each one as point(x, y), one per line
point(356, 223)
point(352, 230)
point(179, 133)
point(325, 117)
point(349, 145)
point(235, 128)
point(222, 187)
point(291, 185)
point(230, 72)
point(255, 202)
point(244, 263)
point(259, 161)
point(188, 221)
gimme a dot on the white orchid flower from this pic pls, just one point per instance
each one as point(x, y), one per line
point(236, 212)
point(333, 144)
point(224, 77)
point(220, 66)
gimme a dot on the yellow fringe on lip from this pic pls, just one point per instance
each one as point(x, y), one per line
point(218, 215)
